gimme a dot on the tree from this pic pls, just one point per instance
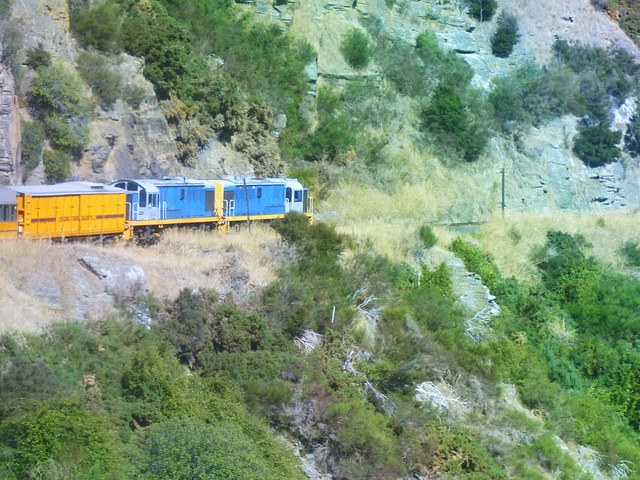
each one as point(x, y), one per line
point(596, 145)
point(483, 10)
point(632, 137)
point(355, 49)
point(506, 36)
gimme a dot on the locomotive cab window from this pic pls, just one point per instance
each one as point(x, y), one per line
point(143, 198)
point(288, 194)
point(297, 196)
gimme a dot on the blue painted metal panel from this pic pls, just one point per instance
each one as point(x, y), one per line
point(265, 196)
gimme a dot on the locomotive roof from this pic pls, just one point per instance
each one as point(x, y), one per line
point(8, 196)
point(67, 188)
point(168, 182)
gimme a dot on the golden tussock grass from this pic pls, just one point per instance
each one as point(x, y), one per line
point(25, 267)
point(202, 259)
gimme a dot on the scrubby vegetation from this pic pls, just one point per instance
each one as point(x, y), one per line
point(185, 398)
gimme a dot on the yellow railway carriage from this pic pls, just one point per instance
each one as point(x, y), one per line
point(8, 213)
point(70, 209)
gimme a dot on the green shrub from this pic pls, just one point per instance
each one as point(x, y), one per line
point(12, 44)
point(57, 96)
point(64, 432)
point(32, 144)
point(483, 10)
point(476, 261)
point(428, 47)
point(104, 83)
point(426, 235)
point(189, 448)
point(356, 49)
point(631, 251)
point(57, 165)
point(163, 41)
point(596, 145)
point(632, 137)
point(38, 57)
point(98, 27)
point(5, 9)
point(506, 36)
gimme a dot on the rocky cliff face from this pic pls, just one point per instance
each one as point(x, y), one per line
point(541, 172)
point(9, 128)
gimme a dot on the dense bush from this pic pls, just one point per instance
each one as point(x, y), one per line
point(32, 144)
point(38, 57)
point(356, 49)
point(506, 36)
point(596, 145)
point(632, 137)
point(164, 43)
point(98, 27)
point(57, 95)
point(105, 84)
point(447, 116)
point(57, 165)
point(631, 252)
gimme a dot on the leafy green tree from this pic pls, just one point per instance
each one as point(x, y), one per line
point(506, 36)
point(632, 137)
point(98, 27)
point(596, 145)
point(32, 143)
point(57, 165)
point(446, 112)
point(104, 83)
point(57, 95)
point(163, 41)
point(483, 10)
point(356, 49)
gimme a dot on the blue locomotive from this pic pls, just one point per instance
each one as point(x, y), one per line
point(153, 204)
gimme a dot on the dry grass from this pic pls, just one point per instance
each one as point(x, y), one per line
point(200, 259)
point(28, 269)
point(510, 240)
point(605, 231)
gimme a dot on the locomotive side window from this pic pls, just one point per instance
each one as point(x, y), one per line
point(259, 192)
point(182, 194)
point(288, 194)
point(155, 199)
point(297, 196)
point(143, 198)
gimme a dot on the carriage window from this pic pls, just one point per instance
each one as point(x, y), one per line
point(297, 196)
point(3, 212)
point(13, 213)
point(143, 198)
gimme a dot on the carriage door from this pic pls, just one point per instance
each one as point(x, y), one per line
point(288, 197)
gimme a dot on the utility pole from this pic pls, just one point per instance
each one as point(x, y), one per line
point(502, 172)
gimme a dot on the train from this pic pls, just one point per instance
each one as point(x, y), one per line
point(141, 208)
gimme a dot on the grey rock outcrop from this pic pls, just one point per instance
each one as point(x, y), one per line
point(10, 139)
point(126, 141)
